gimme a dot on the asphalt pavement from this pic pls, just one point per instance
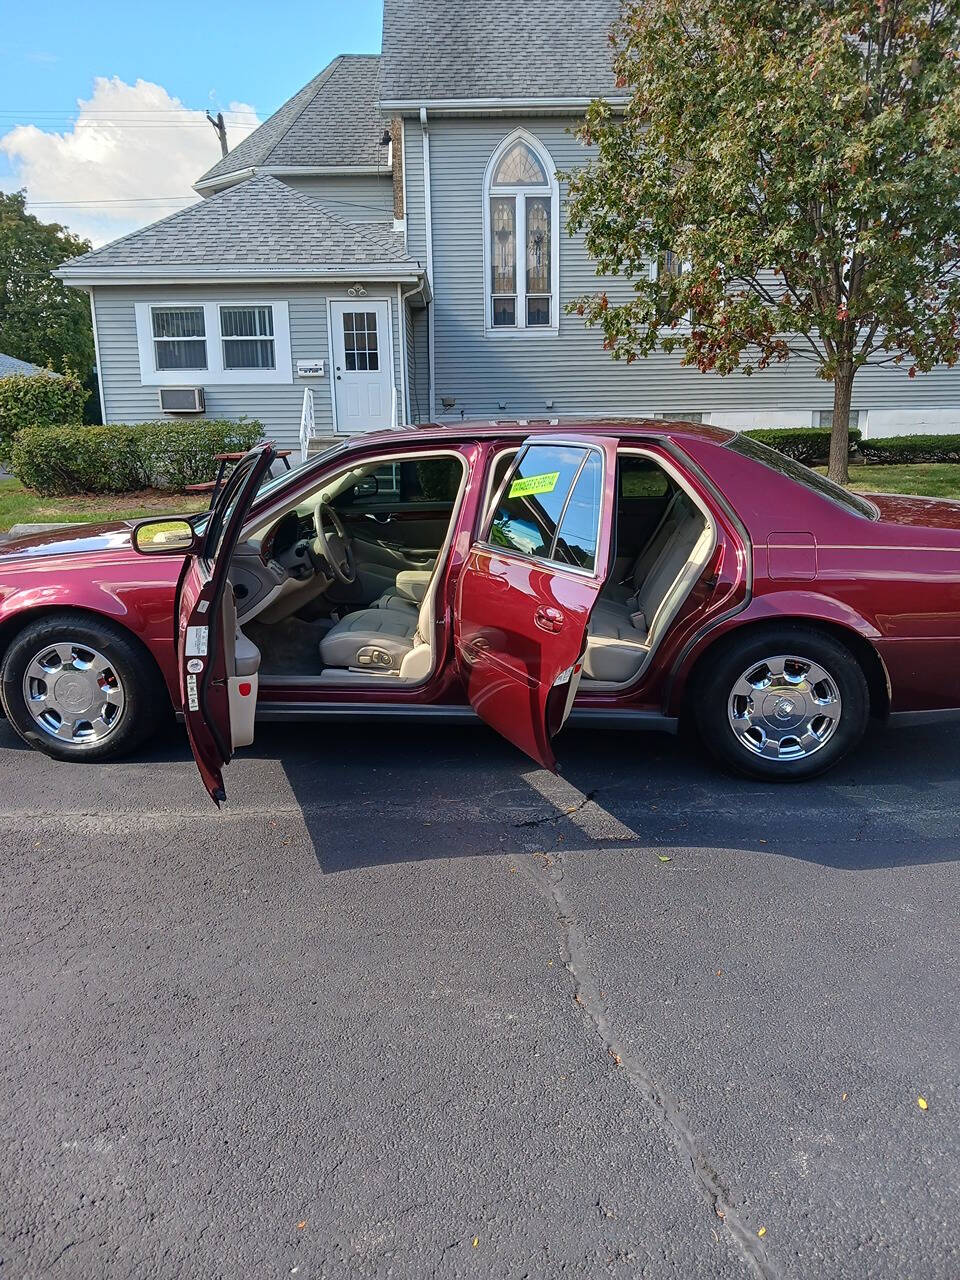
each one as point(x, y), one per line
point(410, 1007)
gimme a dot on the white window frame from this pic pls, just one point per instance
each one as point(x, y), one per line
point(653, 268)
point(519, 195)
point(257, 337)
point(215, 374)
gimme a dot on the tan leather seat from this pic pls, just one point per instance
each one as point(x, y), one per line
point(621, 631)
point(408, 591)
point(370, 640)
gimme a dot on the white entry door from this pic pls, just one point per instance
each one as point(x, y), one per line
point(362, 365)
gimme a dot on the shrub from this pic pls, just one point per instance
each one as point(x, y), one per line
point(31, 400)
point(116, 459)
point(906, 449)
point(806, 444)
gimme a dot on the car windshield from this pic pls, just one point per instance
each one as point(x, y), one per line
point(796, 471)
point(272, 484)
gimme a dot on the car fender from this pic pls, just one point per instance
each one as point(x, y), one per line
point(138, 608)
point(804, 607)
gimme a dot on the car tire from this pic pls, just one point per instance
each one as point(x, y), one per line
point(133, 704)
point(781, 703)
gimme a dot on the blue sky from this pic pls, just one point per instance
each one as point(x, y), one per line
point(200, 54)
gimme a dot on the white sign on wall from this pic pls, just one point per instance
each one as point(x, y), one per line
point(309, 368)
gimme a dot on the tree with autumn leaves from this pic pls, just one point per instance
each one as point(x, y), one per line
point(792, 170)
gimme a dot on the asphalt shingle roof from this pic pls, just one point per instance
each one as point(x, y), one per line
point(333, 120)
point(498, 48)
point(10, 364)
point(260, 222)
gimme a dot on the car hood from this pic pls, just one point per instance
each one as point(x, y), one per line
point(928, 513)
point(74, 539)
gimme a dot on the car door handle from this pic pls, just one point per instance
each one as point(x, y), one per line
point(380, 517)
point(548, 618)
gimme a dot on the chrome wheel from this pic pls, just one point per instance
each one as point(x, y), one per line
point(73, 693)
point(784, 708)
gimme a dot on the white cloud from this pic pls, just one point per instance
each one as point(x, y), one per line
point(130, 158)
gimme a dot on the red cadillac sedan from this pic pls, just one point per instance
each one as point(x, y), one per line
point(625, 574)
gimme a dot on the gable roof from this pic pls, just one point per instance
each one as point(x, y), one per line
point(538, 50)
point(10, 365)
point(257, 227)
point(332, 121)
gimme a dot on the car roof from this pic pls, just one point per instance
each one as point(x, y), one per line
point(520, 428)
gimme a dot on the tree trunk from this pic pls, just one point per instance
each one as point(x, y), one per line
point(839, 469)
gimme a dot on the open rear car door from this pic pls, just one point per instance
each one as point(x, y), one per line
point(218, 667)
point(530, 584)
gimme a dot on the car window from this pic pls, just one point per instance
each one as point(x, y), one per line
point(641, 478)
point(577, 536)
point(414, 482)
point(530, 508)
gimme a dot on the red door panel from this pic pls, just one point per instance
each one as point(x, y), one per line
point(521, 618)
point(206, 636)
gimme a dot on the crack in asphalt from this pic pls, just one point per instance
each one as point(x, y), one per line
point(546, 871)
point(551, 818)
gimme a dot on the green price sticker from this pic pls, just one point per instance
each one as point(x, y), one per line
point(534, 484)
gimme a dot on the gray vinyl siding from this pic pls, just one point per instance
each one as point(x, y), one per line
point(278, 406)
point(521, 374)
point(356, 197)
point(416, 219)
point(418, 364)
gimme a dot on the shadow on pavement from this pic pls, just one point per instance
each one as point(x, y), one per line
point(403, 795)
point(377, 794)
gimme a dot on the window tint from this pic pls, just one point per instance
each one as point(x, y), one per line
point(429, 481)
point(529, 509)
point(577, 539)
point(642, 478)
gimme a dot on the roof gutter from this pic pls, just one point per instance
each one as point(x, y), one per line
point(224, 180)
point(230, 273)
point(498, 106)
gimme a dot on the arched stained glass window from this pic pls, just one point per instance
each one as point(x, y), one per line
point(520, 167)
point(521, 198)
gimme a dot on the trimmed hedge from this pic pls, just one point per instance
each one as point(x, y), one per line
point(805, 444)
point(119, 459)
point(894, 450)
point(35, 400)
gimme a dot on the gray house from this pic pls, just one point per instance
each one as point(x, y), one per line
point(392, 239)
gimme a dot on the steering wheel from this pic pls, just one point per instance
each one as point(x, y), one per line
point(332, 544)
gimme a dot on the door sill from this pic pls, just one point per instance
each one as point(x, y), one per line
point(582, 717)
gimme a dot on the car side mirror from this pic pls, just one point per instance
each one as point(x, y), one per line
point(163, 537)
point(368, 487)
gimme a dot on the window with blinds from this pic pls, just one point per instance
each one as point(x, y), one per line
point(179, 337)
point(247, 337)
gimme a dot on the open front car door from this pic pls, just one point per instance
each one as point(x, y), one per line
point(218, 666)
point(530, 584)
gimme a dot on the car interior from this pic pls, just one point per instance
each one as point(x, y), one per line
point(342, 588)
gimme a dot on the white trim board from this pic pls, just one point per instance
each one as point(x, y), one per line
point(214, 374)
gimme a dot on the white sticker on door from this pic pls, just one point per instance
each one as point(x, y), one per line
point(197, 641)
point(195, 665)
point(193, 700)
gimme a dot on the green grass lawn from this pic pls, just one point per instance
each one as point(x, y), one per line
point(19, 506)
point(927, 479)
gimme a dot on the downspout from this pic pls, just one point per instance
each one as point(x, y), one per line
point(428, 218)
point(402, 325)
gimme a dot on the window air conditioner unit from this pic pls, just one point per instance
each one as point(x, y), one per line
point(181, 400)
